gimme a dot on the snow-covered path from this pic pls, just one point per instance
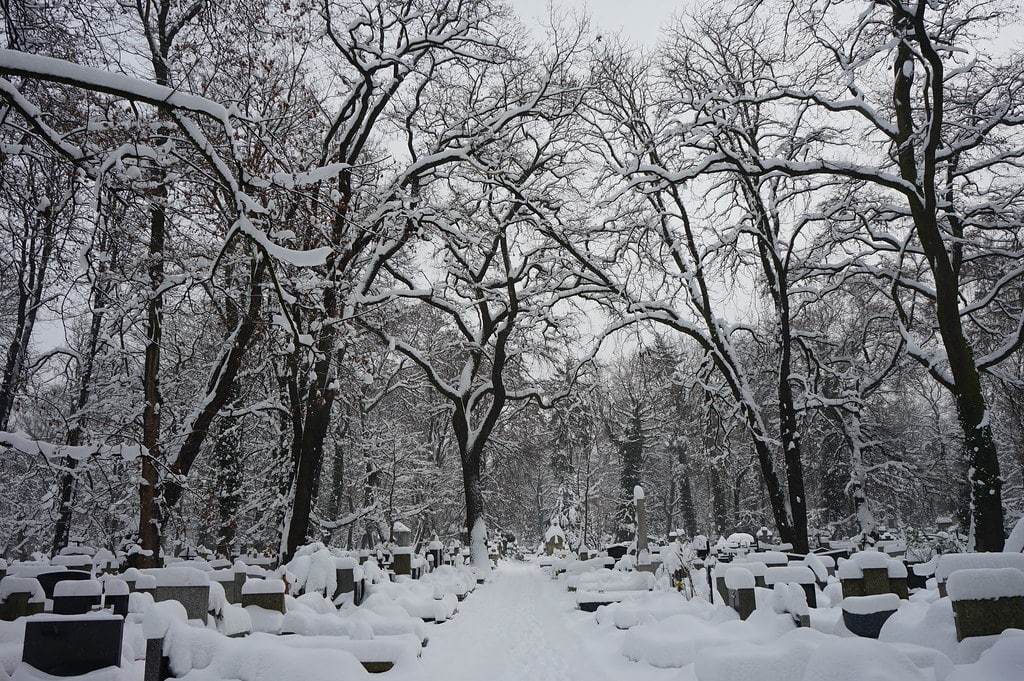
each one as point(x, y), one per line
point(521, 626)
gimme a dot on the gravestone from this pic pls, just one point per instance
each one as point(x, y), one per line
point(402, 561)
point(865, 615)
point(986, 601)
point(188, 586)
point(264, 593)
point(116, 596)
point(20, 596)
point(345, 576)
point(72, 597)
point(740, 585)
point(72, 645)
point(48, 580)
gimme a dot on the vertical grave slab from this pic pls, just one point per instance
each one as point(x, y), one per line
point(76, 597)
point(188, 586)
point(20, 597)
point(72, 645)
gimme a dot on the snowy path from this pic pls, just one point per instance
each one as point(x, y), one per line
point(521, 626)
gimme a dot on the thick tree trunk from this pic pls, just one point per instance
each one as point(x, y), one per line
point(979, 445)
point(150, 502)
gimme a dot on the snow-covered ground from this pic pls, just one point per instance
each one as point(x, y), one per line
point(523, 625)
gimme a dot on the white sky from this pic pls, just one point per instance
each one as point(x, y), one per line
point(638, 20)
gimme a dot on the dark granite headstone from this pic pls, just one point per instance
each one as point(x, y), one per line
point(868, 625)
point(74, 605)
point(48, 580)
point(73, 646)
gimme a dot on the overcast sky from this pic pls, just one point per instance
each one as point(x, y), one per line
point(639, 20)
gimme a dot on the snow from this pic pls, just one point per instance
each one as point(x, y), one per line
point(30, 585)
point(739, 578)
point(951, 562)
point(177, 576)
point(796, 574)
point(85, 587)
point(479, 555)
point(976, 584)
point(263, 586)
point(523, 625)
point(638, 493)
point(113, 586)
point(870, 560)
point(867, 605)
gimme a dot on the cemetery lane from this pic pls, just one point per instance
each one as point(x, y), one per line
point(521, 626)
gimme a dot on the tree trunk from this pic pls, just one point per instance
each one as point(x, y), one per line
point(979, 445)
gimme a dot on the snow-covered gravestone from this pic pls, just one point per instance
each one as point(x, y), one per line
point(740, 584)
point(952, 562)
point(436, 549)
point(865, 615)
point(264, 593)
point(188, 586)
point(76, 597)
point(401, 534)
point(554, 539)
point(116, 596)
point(865, 574)
point(986, 601)
point(794, 574)
point(345, 576)
point(20, 597)
point(72, 645)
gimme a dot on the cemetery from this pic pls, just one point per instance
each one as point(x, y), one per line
point(512, 340)
point(407, 611)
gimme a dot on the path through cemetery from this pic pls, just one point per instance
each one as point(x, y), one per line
point(522, 626)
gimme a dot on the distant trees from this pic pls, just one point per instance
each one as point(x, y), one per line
point(308, 260)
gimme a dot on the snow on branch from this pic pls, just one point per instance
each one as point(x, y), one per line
point(22, 443)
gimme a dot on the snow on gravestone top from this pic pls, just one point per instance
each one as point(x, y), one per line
point(262, 586)
point(739, 578)
point(870, 560)
point(848, 569)
point(817, 566)
point(160, 616)
point(740, 539)
point(791, 598)
point(178, 576)
point(20, 569)
point(346, 563)
point(869, 605)
point(897, 570)
point(638, 493)
point(772, 557)
point(553, 531)
point(754, 567)
point(795, 574)
point(115, 587)
point(17, 585)
point(982, 584)
point(85, 587)
point(399, 526)
point(951, 562)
